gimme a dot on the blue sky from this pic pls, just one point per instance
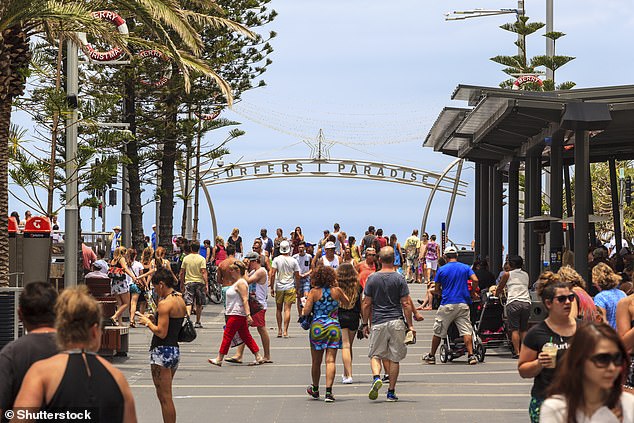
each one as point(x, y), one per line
point(370, 72)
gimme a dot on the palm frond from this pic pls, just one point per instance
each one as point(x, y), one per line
point(219, 23)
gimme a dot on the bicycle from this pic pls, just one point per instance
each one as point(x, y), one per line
point(214, 293)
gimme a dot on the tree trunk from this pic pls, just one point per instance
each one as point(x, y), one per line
point(134, 181)
point(14, 60)
point(167, 174)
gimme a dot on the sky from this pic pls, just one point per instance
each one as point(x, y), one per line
point(374, 76)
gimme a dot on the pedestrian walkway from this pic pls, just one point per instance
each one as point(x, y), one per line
point(454, 392)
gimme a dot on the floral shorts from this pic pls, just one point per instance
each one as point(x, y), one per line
point(119, 287)
point(165, 356)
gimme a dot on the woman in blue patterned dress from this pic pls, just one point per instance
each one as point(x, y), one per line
point(325, 332)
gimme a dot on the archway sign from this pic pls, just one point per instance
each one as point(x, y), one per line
point(320, 165)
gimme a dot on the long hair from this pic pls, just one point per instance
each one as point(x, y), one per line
point(548, 283)
point(146, 256)
point(604, 277)
point(569, 376)
point(348, 281)
point(568, 274)
point(323, 277)
point(159, 255)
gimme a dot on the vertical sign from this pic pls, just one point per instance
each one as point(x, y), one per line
point(443, 237)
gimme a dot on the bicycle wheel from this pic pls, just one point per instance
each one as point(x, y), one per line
point(215, 293)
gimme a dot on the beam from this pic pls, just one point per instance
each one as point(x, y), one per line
point(582, 208)
point(484, 209)
point(514, 207)
point(556, 191)
point(478, 208)
point(616, 210)
point(496, 221)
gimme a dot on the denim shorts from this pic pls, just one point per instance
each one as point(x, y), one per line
point(165, 356)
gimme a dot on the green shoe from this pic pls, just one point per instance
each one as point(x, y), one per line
point(374, 392)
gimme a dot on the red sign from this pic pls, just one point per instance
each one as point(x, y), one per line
point(13, 226)
point(38, 224)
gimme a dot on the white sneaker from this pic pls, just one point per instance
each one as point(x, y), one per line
point(346, 380)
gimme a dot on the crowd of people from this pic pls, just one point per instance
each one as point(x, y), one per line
point(580, 356)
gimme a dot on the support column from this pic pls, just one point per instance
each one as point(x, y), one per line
point(533, 202)
point(569, 210)
point(477, 202)
point(582, 208)
point(514, 207)
point(484, 210)
point(616, 210)
point(556, 192)
point(496, 227)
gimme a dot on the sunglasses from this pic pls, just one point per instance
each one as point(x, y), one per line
point(562, 298)
point(603, 360)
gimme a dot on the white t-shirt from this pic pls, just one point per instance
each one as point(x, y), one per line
point(517, 287)
point(554, 410)
point(334, 263)
point(136, 268)
point(304, 262)
point(285, 267)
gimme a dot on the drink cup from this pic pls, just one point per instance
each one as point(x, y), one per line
point(551, 350)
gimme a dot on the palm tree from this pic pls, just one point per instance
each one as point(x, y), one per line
point(170, 23)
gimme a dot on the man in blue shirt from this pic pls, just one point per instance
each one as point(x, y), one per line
point(453, 279)
point(153, 237)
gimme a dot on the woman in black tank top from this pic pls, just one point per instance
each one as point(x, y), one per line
point(77, 379)
point(164, 350)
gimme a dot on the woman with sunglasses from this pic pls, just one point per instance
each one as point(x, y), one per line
point(587, 386)
point(557, 329)
point(625, 329)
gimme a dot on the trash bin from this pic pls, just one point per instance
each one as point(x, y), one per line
point(36, 249)
point(15, 253)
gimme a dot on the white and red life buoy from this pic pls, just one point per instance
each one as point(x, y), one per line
point(209, 116)
point(167, 74)
point(115, 52)
point(524, 79)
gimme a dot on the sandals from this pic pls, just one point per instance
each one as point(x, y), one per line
point(233, 360)
point(215, 362)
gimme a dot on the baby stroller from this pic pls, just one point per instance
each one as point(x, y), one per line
point(453, 346)
point(492, 324)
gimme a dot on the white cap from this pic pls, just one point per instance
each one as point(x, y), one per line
point(451, 250)
point(329, 244)
point(285, 247)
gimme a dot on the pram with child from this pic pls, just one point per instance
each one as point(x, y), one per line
point(491, 324)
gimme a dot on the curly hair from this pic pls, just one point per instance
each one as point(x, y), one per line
point(76, 311)
point(548, 283)
point(348, 281)
point(324, 277)
point(604, 277)
point(568, 274)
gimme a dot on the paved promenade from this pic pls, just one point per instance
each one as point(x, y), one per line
point(454, 392)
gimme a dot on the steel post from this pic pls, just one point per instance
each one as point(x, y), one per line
point(484, 210)
point(496, 230)
point(478, 207)
point(582, 209)
point(556, 190)
point(616, 210)
point(514, 207)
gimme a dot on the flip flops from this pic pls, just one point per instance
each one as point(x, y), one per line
point(257, 362)
point(215, 362)
point(233, 360)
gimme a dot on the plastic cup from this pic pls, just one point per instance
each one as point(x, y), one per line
point(551, 350)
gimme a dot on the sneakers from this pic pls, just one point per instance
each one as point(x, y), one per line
point(312, 393)
point(329, 398)
point(429, 359)
point(346, 380)
point(198, 325)
point(385, 378)
point(374, 392)
point(472, 359)
point(391, 397)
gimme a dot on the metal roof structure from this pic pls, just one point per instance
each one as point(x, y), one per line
point(500, 124)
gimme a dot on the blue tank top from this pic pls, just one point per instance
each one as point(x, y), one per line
point(397, 256)
point(326, 306)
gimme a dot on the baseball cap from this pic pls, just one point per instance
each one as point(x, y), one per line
point(451, 250)
point(252, 255)
point(329, 244)
point(285, 247)
point(116, 228)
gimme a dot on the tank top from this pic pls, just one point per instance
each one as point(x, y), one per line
point(517, 287)
point(432, 251)
point(171, 339)
point(88, 385)
point(355, 253)
point(235, 306)
point(397, 256)
point(261, 291)
point(221, 254)
point(326, 306)
point(334, 263)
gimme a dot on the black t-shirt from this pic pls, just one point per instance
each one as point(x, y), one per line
point(368, 242)
point(535, 339)
point(16, 359)
point(237, 243)
point(386, 290)
point(486, 279)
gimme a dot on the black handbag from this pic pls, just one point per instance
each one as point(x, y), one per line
point(187, 332)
